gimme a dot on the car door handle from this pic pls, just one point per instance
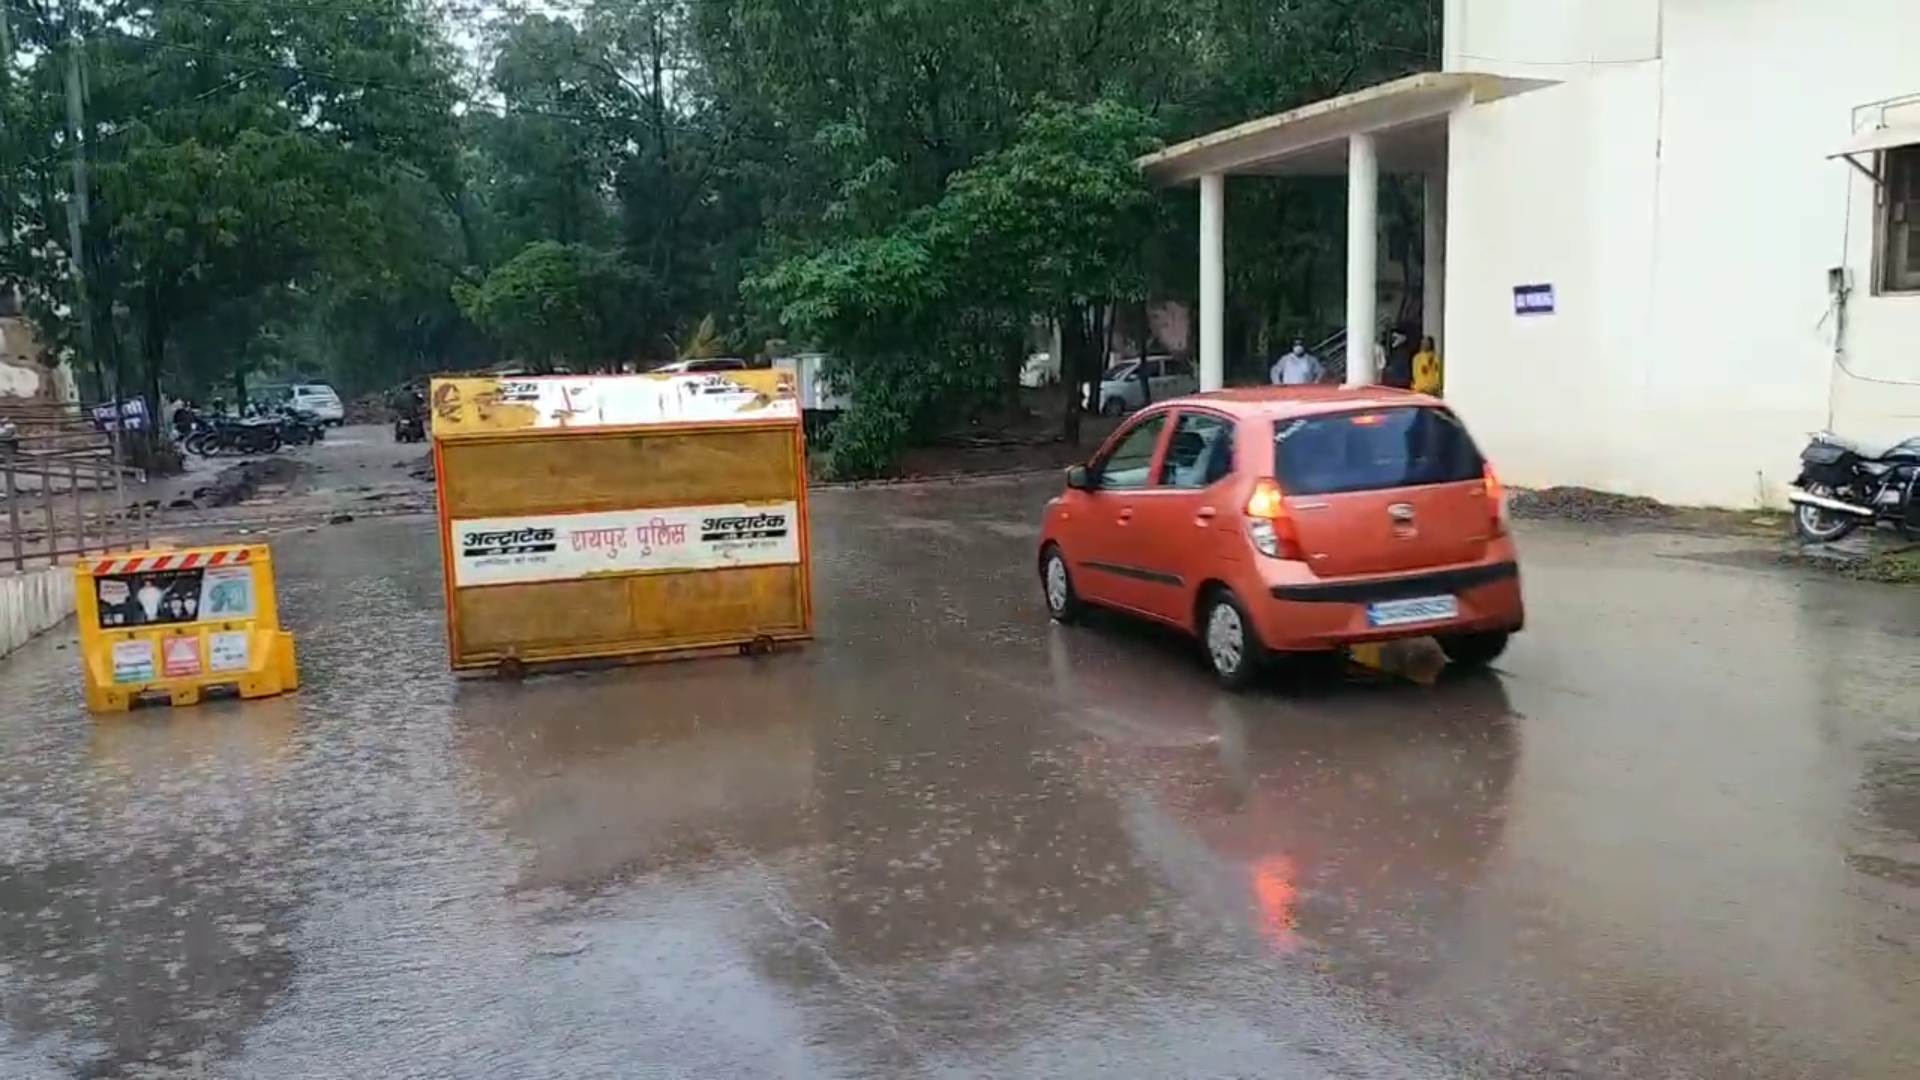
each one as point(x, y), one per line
point(1204, 515)
point(1126, 516)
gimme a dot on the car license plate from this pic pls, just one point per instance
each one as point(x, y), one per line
point(1418, 610)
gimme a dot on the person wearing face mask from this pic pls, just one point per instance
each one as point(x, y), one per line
point(1297, 368)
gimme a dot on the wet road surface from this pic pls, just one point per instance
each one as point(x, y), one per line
point(1677, 836)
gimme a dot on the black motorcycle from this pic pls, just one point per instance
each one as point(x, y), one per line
point(1844, 485)
point(409, 428)
point(225, 435)
point(300, 428)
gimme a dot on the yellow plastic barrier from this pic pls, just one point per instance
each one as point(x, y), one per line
point(614, 517)
point(1417, 660)
point(171, 625)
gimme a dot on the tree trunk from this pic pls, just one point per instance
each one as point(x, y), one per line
point(153, 338)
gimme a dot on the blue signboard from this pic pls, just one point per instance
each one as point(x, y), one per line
point(132, 412)
point(1533, 299)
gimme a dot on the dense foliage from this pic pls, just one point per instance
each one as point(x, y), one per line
point(366, 190)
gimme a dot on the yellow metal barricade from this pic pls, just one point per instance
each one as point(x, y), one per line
point(171, 625)
point(605, 517)
point(1414, 659)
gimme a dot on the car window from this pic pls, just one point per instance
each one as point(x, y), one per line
point(1373, 450)
point(1180, 369)
point(1201, 452)
point(1118, 372)
point(1128, 465)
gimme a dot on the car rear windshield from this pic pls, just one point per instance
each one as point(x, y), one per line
point(1373, 450)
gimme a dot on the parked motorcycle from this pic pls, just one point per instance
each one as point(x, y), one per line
point(300, 428)
point(225, 435)
point(1845, 484)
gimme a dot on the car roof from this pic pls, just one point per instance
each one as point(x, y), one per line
point(1284, 401)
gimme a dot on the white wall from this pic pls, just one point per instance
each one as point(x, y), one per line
point(1549, 39)
point(1685, 209)
point(1554, 187)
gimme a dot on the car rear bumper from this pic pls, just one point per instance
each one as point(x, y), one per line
point(1308, 616)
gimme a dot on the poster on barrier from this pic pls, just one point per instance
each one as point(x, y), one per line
point(133, 661)
point(568, 547)
point(180, 657)
point(171, 597)
point(228, 650)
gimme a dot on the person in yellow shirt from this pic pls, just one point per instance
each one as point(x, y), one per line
point(1426, 369)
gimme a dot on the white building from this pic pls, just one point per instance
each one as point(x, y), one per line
point(1669, 238)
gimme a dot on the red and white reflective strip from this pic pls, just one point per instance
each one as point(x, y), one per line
point(186, 560)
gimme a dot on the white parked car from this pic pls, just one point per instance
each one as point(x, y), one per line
point(1041, 369)
point(1127, 385)
point(319, 401)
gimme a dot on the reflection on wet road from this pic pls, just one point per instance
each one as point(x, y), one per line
point(1679, 835)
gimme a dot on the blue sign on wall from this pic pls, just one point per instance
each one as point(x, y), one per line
point(1533, 299)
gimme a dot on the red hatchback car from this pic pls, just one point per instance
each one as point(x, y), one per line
point(1290, 520)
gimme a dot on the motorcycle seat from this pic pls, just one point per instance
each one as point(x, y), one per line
point(1872, 451)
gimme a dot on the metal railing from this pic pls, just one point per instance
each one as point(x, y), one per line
point(1333, 352)
point(64, 488)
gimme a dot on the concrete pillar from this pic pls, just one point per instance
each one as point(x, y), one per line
point(1213, 281)
point(1363, 257)
point(1433, 275)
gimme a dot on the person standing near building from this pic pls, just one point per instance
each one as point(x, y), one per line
point(1397, 367)
point(1427, 375)
point(1297, 368)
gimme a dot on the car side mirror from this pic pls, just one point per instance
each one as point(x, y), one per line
point(1079, 478)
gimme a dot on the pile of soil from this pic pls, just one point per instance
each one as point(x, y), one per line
point(1585, 505)
point(236, 484)
point(371, 409)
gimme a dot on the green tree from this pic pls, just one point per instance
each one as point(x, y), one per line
point(930, 318)
point(557, 304)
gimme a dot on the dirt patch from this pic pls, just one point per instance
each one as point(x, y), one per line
point(1585, 505)
point(1893, 566)
point(236, 484)
point(1606, 508)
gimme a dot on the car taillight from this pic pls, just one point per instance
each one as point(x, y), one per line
point(1496, 501)
point(1269, 525)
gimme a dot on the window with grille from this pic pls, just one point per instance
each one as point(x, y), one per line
point(1900, 220)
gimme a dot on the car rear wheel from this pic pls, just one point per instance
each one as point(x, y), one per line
point(1113, 406)
point(1233, 646)
point(1063, 604)
point(1474, 650)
